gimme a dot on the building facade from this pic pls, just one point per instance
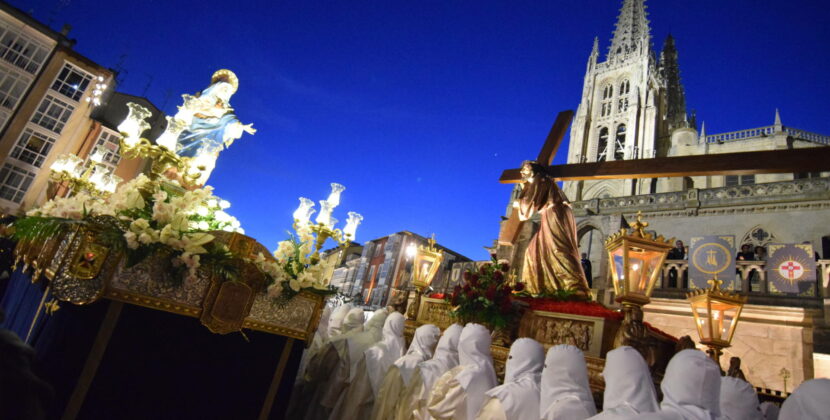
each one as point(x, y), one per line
point(383, 269)
point(49, 98)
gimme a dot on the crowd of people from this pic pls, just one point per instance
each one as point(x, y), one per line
point(358, 370)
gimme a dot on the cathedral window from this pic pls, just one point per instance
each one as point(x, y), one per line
point(607, 100)
point(625, 87)
point(619, 146)
point(622, 103)
point(602, 145)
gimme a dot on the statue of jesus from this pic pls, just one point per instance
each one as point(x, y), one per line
point(552, 260)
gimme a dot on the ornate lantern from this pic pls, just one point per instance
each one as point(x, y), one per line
point(426, 264)
point(636, 258)
point(716, 315)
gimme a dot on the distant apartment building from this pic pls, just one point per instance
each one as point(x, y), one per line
point(383, 269)
point(47, 108)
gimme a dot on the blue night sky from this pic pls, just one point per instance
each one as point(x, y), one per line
point(417, 106)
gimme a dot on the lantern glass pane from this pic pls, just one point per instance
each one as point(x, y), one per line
point(642, 266)
point(619, 269)
point(726, 314)
point(702, 319)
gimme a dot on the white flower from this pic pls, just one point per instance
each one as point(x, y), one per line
point(203, 225)
point(275, 290)
point(294, 285)
point(131, 240)
point(202, 211)
point(223, 204)
point(145, 238)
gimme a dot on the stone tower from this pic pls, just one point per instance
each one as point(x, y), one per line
point(630, 104)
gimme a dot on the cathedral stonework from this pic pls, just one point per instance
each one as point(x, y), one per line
point(633, 106)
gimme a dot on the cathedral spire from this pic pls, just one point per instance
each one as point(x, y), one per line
point(632, 32)
point(675, 94)
point(595, 50)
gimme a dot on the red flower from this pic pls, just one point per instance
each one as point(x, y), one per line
point(467, 275)
point(498, 276)
point(491, 292)
point(471, 294)
point(505, 267)
point(506, 289)
point(474, 280)
point(467, 288)
point(483, 269)
point(519, 287)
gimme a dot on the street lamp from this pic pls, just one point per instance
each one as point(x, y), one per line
point(427, 260)
point(716, 315)
point(636, 258)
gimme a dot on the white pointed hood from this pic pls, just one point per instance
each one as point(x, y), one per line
point(738, 400)
point(691, 386)
point(519, 395)
point(629, 388)
point(446, 358)
point(336, 319)
point(381, 356)
point(478, 375)
point(421, 349)
point(565, 390)
point(359, 343)
point(811, 400)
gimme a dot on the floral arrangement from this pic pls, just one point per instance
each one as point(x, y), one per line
point(294, 269)
point(145, 217)
point(151, 217)
point(486, 296)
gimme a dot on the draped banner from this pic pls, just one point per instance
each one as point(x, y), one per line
point(791, 268)
point(712, 257)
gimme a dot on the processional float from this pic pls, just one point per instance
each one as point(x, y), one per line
point(163, 241)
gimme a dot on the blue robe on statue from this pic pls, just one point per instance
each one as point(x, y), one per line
point(205, 135)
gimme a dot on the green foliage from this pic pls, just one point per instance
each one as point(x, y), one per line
point(35, 228)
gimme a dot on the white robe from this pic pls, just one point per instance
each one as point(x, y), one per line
point(738, 400)
point(565, 390)
point(414, 401)
point(319, 380)
point(811, 400)
point(350, 358)
point(359, 400)
point(518, 397)
point(459, 393)
point(400, 373)
point(691, 388)
point(770, 410)
point(629, 388)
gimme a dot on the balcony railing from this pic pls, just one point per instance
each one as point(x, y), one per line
point(767, 131)
point(750, 280)
point(811, 189)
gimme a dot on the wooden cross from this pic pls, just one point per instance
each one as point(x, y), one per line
point(811, 159)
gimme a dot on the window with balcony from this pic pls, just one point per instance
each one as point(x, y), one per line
point(14, 182)
point(72, 82)
point(111, 143)
point(12, 87)
point(52, 114)
point(20, 50)
point(32, 147)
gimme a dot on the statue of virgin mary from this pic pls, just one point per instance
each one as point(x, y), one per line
point(205, 124)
